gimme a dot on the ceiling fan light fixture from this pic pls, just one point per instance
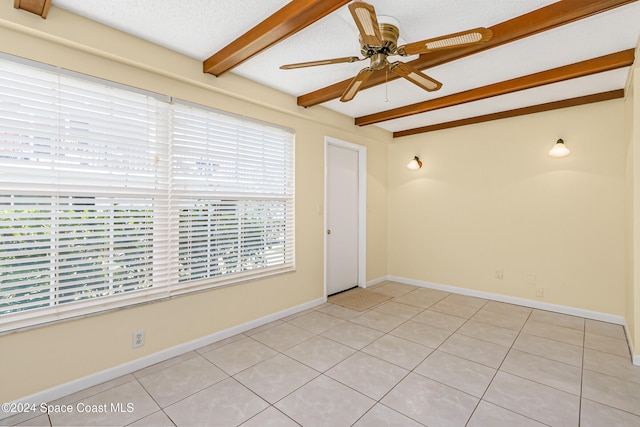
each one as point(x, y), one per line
point(559, 149)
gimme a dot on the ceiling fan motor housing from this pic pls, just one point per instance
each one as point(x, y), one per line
point(378, 54)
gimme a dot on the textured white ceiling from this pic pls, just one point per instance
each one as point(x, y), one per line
point(196, 28)
point(199, 28)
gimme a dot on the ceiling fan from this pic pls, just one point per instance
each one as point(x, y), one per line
point(378, 41)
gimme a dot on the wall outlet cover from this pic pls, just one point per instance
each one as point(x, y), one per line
point(138, 338)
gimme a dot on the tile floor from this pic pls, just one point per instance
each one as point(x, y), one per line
point(426, 357)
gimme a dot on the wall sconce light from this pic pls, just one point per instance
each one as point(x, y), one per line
point(414, 164)
point(559, 149)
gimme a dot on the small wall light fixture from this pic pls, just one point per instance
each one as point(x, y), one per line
point(414, 164)
point(559, 149)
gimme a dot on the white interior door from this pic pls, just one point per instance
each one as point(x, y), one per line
point(342, 218)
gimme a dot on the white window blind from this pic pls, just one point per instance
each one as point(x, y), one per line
point(110, 197)
point(232, 180)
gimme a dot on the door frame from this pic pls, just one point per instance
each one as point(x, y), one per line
point(362, 206)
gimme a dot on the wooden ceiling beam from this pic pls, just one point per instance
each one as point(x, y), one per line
point(39, 7)
point(579, 69)
point(572, 102)
point(287, 21)
point(543, 19)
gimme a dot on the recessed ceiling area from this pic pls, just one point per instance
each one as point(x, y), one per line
point(568, 32)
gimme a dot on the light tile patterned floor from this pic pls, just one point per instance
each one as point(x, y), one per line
point(426, 357)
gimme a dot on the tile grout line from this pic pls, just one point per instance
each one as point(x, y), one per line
point(152, 398)
point(494, 376)
point(388, 333)
point(451, 333)
point(520, 332)
point(158, 403)
point(409, 371)
point(319, 373)
point(496, 373)
point(470, 318)
point(536, 355)
point(412, 370)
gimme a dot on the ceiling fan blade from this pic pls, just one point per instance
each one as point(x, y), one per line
point(365, 17)
point(321, 62)
point(355, 85)
point(415, 76)
point(463, 38)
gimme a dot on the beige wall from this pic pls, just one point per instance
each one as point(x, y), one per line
point(46, 357)
point(490, 197)
point(632, 140)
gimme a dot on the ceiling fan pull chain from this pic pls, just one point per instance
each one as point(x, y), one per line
point(386, 84)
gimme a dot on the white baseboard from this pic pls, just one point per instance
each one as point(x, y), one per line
point(635, 358)
point(62, 390)
point(595, 315)
point(375, 281)
point(573, 311)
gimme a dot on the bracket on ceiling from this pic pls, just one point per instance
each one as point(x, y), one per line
point(39, 7)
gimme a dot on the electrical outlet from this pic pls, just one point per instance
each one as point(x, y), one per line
point(499, 273)
point(540, 292)
point(138, 338)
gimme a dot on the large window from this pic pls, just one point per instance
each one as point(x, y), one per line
point(110, 197)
